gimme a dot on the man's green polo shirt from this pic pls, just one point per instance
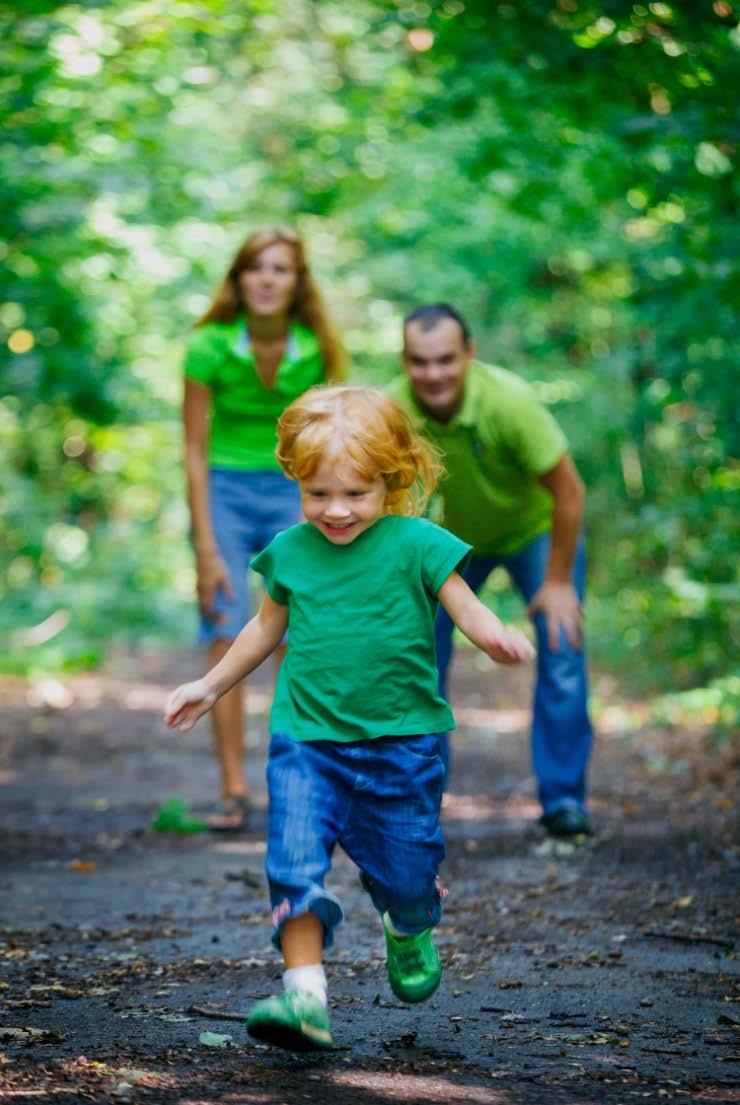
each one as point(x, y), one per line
point(244, 412)
point(494, 448)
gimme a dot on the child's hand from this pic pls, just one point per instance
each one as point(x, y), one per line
point(508, 646)
point(188, 703)
point(481, 626)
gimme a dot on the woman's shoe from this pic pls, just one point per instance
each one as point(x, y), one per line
point(231, 814)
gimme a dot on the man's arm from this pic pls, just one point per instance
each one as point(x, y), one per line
point(557, 598)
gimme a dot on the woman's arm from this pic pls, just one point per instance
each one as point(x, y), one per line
point(210, 569)
point(260, 637)
point(481, 626)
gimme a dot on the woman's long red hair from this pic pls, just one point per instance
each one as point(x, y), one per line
point(307, 308)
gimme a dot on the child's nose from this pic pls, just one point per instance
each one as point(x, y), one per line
point(337, 508)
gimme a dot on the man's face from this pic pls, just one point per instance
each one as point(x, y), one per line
point(436, 361)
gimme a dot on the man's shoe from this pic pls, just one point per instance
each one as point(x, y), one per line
point(297, 1020)
point(566, 823)
point(414, 968)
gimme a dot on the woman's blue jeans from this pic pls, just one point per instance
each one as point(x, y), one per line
point(247, 510)
point(561, 729)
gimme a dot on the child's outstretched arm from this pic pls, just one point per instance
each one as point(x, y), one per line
point(260, 636)
point(481, 626)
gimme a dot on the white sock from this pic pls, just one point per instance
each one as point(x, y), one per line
point(311, 977)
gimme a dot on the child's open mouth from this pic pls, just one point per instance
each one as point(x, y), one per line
point(339, 529)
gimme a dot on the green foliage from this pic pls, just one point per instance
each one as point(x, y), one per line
point(560, 171)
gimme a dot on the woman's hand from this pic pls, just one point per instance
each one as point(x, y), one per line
point(188, 703)
point(212, 578)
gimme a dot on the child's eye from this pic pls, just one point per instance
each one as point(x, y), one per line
point(356, 494)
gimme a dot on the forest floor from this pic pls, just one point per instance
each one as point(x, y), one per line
point(590, 974)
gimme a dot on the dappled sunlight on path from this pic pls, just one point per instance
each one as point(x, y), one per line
point(481, 807)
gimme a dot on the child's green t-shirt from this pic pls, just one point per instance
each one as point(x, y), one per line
point(360, 662)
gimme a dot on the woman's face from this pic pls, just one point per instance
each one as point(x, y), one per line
point(268, 287)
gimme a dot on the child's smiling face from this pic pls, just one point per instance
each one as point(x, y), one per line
point(341, 502)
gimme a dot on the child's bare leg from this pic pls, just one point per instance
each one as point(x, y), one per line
point(302, 940)
point(298, 1019)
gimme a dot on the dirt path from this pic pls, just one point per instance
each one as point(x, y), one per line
point(604, 973)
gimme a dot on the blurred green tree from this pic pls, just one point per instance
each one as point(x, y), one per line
point(561, 170)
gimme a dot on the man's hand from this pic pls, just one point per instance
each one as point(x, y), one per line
point(560, 604)
point(188, 703)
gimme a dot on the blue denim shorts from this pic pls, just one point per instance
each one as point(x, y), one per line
point(380, 799)
point(247, 510)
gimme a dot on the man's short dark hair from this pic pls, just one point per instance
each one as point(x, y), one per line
point(430, 314)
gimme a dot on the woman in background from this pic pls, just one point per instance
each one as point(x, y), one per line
point(265, 340)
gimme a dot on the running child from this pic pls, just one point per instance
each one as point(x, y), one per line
point(355, 723)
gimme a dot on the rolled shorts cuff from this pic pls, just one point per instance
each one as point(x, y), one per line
point(409, 918)
point(320, 902)
point(407, 928)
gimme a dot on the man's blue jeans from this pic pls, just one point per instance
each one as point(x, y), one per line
point(561, 729)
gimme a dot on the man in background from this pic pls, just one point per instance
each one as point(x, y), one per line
point(512, 491)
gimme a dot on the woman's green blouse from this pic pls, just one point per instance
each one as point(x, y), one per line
point(244, 412)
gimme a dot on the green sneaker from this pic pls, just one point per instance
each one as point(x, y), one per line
point(296, 1020)
point(414, 967)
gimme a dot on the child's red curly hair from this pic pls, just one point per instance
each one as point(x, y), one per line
point(367, 429)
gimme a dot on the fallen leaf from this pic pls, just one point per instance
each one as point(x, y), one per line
point(215, 1039)
point(83, 867)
